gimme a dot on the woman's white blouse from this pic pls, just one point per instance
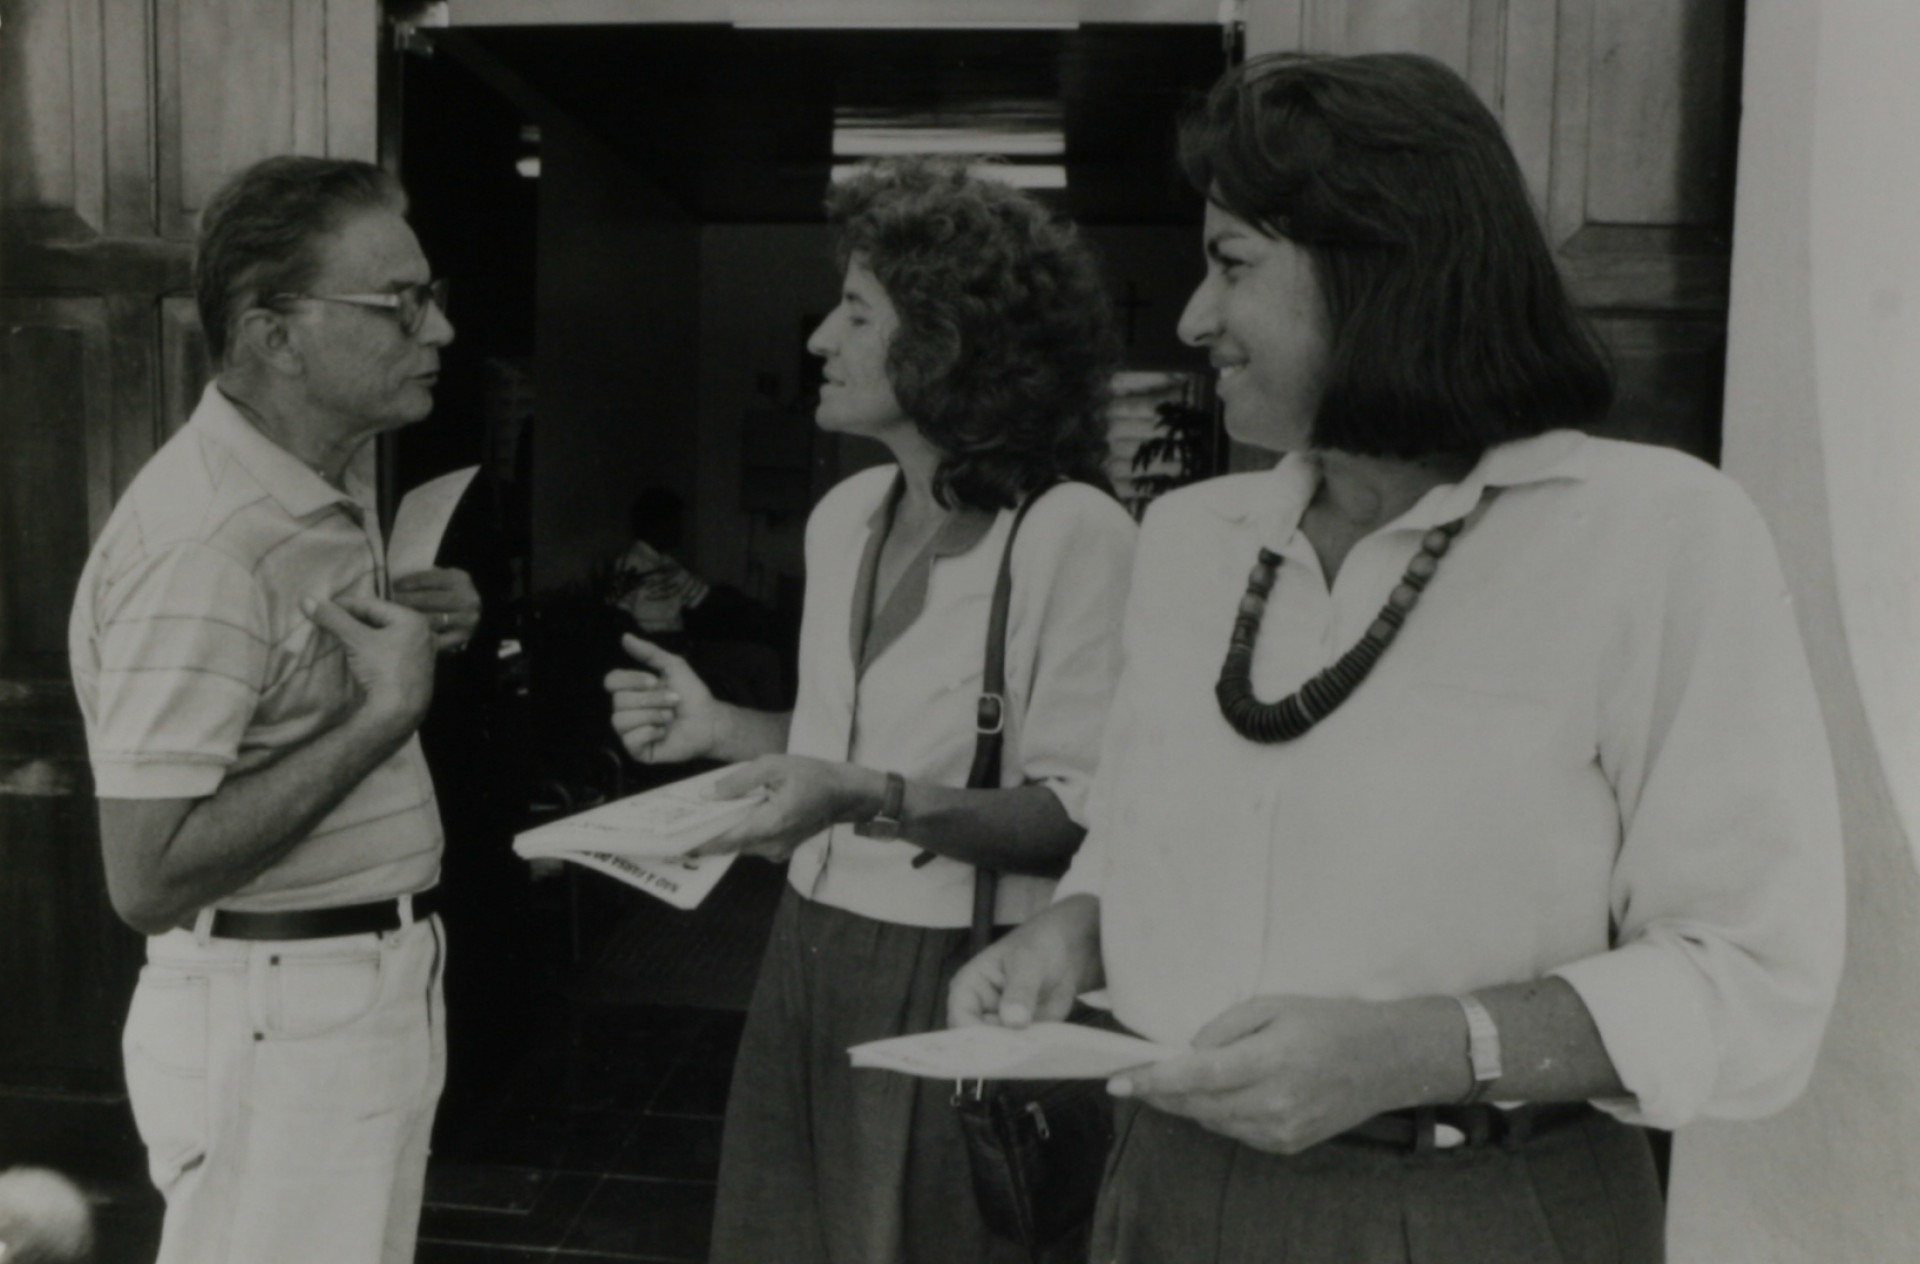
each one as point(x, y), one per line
point(1594, 751)
point(912, 712)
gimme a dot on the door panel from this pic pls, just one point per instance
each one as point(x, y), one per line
point(1442, 29)
point(1656, 80)
point(237, 81)
point(62, 1025)
point(1621, 113)
point(55, 462)
point(117, 119)
point(1668, 372)
point(183, 361)
point(1640, 203)
point(52, 73)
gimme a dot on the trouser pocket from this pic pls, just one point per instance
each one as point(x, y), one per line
point(344, 1033)
point(166, 1050)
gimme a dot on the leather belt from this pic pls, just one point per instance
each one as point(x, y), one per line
point(1446, 1127)
point(326, 923)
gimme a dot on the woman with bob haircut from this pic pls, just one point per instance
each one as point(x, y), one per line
point(1464, 802)
point(974, 339)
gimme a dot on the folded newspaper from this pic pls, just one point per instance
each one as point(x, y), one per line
point(1043, 1051)
point(643, 839)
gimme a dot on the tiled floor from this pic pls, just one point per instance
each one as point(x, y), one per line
point(602, 1147)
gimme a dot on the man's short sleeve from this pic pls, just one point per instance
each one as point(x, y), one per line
point(183, 648)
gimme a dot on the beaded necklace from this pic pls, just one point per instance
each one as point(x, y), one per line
point(1306, 706)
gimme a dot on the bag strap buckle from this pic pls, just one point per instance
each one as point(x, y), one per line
point(990, 714)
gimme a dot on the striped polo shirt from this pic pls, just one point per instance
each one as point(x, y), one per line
point(193, 660)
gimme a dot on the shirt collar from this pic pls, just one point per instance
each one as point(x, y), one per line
point(293, 483)
point(1282, 495)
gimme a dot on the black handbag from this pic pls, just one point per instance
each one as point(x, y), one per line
point(1037, 1148)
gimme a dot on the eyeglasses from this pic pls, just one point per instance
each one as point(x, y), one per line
point(408, 303)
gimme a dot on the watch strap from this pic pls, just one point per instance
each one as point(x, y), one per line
point(885, 823)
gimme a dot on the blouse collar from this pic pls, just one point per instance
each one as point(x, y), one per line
point(1281, 496)
point(872, 630)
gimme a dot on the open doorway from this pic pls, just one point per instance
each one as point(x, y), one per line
point(632, 219)
point(635, 212)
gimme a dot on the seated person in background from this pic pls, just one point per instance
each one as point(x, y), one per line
point(649, 582)
point(739, 646)
point(973, 338)
point(656, 590)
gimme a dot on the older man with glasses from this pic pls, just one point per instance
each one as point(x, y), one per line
point(252, 680)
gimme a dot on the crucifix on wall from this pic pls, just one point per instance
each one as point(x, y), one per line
point(1131, 305)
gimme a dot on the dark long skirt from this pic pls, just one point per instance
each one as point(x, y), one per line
point(823, 1164)
point(1174, 1193)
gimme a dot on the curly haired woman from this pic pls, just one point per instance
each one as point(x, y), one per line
point(973, 339)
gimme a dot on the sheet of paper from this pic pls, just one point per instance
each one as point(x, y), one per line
point(421, 521)
point(1044, 1051)
point(681, 883)
point(657, 824)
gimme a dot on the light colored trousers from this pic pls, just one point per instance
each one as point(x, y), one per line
point(286, 1090)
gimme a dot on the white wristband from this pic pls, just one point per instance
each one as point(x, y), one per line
point(1483, 1047)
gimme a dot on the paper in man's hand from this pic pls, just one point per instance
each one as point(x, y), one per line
point(421, 522)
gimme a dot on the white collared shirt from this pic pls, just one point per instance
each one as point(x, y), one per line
point(912, 709)
point(1593, 751)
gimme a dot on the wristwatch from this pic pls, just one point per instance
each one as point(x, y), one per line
point(885, 823)
point(1483, 1048)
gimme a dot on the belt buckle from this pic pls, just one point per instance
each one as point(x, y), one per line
point(1429, 1134)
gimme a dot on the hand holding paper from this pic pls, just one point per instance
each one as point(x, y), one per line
point(449, 600)
point(643, 839)
point(421, 521)
point(1034, 972)
point(797, 797)
point(446, 596)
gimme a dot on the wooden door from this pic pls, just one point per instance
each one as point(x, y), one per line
point(117, 119)
point(1624, 116)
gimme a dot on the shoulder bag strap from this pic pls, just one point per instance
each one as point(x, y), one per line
point(990, 720)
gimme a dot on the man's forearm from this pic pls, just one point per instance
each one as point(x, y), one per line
point(253, 820)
